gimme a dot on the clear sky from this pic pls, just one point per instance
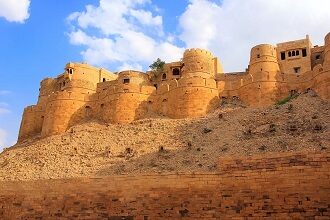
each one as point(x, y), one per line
point(38, 37)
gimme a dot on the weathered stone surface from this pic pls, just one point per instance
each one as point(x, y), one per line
point(282, 186)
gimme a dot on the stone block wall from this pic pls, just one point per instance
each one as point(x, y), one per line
point(278, 186)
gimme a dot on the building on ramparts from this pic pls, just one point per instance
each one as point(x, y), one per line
point(191, 87)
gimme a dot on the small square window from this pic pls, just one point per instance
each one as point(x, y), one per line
point(318, 57)
point(126, 81)
point(296, 69)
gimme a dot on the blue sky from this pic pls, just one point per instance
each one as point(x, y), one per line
point(38, 37)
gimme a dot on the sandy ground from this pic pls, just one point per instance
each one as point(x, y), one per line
point(163, 145)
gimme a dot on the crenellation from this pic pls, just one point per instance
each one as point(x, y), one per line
point(190, 87)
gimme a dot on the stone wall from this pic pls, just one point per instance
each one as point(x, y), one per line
point(280, 186)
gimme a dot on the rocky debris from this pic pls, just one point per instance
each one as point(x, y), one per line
point(163, 145)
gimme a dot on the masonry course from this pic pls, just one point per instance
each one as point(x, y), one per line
point(278, 186)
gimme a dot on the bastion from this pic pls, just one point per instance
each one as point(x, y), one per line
point(191, 87)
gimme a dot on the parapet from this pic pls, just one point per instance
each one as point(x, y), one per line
point(261, 51)
point(197, 52)
point(133, 77)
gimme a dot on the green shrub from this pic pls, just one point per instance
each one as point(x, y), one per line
point(287, 99)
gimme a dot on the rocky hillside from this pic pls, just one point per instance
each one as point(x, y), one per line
point(167, 145)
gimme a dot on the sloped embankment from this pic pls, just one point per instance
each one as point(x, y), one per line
point(162, 145)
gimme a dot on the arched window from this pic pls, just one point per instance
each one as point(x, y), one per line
point(289, 54)
point(176, 72)
point(164, 76)
point(297, 52)
point(293, 53)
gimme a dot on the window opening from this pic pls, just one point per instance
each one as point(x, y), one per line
point(126, 81)
point(304, 52)
point(296, 69)
point(176, 72)
point(164, 76)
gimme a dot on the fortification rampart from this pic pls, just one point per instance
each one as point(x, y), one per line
point(190, 87)
point(280, 186)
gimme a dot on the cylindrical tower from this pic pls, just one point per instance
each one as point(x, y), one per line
point(263, 59)
point(63, 110)
point(31, 124)
point(198, 62)
point(326, 62)
point(196, 93)
point(126, 101)
point(46, 88)
point(263, 70)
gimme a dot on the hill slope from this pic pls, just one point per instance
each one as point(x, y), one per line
point(172, 145)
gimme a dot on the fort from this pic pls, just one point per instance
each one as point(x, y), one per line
point(191, 87)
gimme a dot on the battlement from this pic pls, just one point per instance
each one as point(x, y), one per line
point(197, 52)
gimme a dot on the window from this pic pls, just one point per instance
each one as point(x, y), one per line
point(104, 79)
point(318, 57)
point(70, 71)
point(258, 55)
point(297, 52)
point(293, 53)
point(126, 81)
point(176, 72)
point(289, 53)
point(164, 76)
point(282, 55)
point(296, 69)
point(304, 52)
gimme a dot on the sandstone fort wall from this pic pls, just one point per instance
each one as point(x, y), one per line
point(280, 186)
point(190, 87)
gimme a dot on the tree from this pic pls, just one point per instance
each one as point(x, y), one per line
point(157, 66)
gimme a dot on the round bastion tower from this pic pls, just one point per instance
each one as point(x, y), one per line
point(198, 62)
point(70, 102)
point(326, 62)
point(196, 93)
point(263, 69)
point(127, 99)
point(263, 59)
